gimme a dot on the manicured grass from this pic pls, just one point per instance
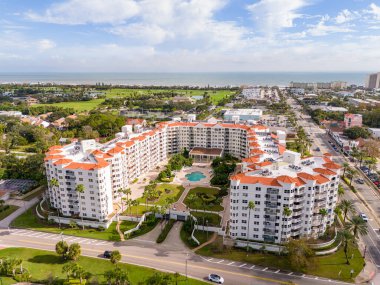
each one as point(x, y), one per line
point(202, 236)
point(325, 266)
point(79, 106)
point(8, 211)
point(213, 220)
point(136, 210)
point(35, 194)
point(29, 220)
point(43, 265)
point(197, 204)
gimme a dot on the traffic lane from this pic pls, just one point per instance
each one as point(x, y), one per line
point(197, 266)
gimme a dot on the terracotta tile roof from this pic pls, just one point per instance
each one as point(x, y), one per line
point(327, 154)
point(281, 149)
point(252, 159)
point(332, 165)
point(245, 179)
point(51, 157)
point(321, 179)
point(115, 150)
point(255, 144)
point(306, 176)
point(324, 171)
point(264, 163)
point(62, 161)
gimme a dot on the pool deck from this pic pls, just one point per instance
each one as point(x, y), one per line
point(205, 168)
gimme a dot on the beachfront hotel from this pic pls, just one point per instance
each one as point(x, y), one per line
point(267, 175)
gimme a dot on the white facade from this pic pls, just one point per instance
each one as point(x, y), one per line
point(304, 186)
point(243, 114)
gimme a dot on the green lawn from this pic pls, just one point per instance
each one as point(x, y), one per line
point(44, 265)
point(29, 220)
point(79, 106)
point(210, 219)
point(325, 266)
point(212, 206)
point(136, 210)
point(7, 212)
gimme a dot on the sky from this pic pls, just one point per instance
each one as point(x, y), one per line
point(189, 35)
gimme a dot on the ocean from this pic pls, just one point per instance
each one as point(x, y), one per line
point(212, 79)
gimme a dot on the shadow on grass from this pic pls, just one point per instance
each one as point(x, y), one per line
point(47, 259)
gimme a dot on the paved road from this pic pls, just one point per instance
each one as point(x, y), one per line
point(26, 205)
point(163, 257)
point(365, 191)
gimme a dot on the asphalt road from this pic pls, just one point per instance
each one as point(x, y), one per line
point(366, 193)
point(163, 258)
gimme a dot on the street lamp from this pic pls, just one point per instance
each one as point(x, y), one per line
point(207, 230)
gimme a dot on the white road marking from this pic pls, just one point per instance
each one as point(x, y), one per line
point(277, 271)
point(290, 273)
point(253, 266)
point(50, 236)
point(265, 269)
point(243, 265)
point(209, 260)
point(220, 261)
point(231, 263)
point(101, 243)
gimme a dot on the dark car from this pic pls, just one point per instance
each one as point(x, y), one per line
point(317, 149)
point(107, 254)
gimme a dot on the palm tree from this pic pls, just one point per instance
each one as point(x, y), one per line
point(323, 213)
point(287, 213)
point(340, 190)
point(345, 236)
point(251, 206)
point(346, 207)
point(371, 162)
point(346, 166)
point(135, 203)
point(170, 201)
point(190, 201)
point(357, 226)
point(352, 173)
point(80, 189)
point(127, 192)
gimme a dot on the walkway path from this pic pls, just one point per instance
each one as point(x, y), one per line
point(5, 223)
point(152, 235)
point(118, 230)
point(211, 240)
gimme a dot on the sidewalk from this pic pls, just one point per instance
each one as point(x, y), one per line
point(366, 275)
point(28, 204)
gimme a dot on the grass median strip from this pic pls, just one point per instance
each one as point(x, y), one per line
point(165, 231)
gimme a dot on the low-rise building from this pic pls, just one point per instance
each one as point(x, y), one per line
point(243, 115)
point(353, 120)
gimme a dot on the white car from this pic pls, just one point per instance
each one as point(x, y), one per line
point(216, 278)
point(364, 217)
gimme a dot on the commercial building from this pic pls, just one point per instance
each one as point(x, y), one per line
point(289, 194)
point(243, 115)
point(358, 102)
point(373, 81)
point(253, 93)
point(353, 120)
point(319, 85)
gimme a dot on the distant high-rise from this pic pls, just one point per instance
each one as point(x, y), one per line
point(373, 81)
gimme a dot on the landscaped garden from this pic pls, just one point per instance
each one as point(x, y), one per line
point(203, 198)
point(327, 266)
point(29, 220)
point(207, 219)
point(6, 210)
point(45, 267)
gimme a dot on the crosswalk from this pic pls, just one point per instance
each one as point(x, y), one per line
point(56, 237)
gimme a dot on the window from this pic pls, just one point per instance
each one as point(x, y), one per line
point(257, 195)
point(257, 202)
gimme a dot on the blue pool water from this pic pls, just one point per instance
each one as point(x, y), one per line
point(195, 176)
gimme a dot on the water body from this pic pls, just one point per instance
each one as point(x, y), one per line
point(212, 79)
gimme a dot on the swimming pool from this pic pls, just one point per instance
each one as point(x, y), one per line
point(195, 176)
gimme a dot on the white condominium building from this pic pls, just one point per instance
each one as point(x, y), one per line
point(293, 197)
point(103, 169)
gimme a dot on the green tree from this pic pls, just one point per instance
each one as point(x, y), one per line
point(61, 248)
point(69, 269)
point(251, 207)
point(346, 207)
point(357, 226)
point(323, 213)
point(345, 237)
point(115, 257)
point(74, 251)
point(287, 213)
point(346, 166)
point(299, 254)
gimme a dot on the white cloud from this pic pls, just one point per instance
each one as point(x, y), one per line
point(375, 11)
point(323, 29)
point(76, 12)
point(345, 16)
point(45, 44)
point(274, 15)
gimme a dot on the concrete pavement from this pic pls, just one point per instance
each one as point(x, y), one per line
point(164, 258)
point(26, 205)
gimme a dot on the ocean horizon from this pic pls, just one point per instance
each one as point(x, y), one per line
point(201, 79)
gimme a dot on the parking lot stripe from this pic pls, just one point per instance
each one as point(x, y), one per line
point(265, 269)
point(209, 260)
point(231, 263)
point(277, 271)
point(243, 265)
point(252, 267)
point(290, 273)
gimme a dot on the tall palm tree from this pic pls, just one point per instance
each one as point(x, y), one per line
point(80, 189)
point(352, 173)
point(135, 203)
point(251, 206)
point(340, 190)
point(357, 226)
point(346, 207)
point(346, 237)
point(346, 166)
point(127, 192)
point(323, 213)
point(287, 213)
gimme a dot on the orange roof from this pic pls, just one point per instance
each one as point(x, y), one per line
point(62, 161)
point(273, 136)
point(54, 151)
point(97, 152)
point(324, 171)
point(252, 159)
point(332, 165)
point(327, 154)
point(326, 159)
point(287, 179)
point(259, 127)
point(281, 149)
point(116, 149)
point(55, 147)
point(87, 166)
point(321, 179)
point(257, 151)
point(256, 180)
point(254, 144)
point(264, 163)
point(50, 157)
point(306, 176)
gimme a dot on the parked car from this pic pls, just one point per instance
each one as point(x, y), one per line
point(216, 278)
point(107, 254)
point(317, 149)
point(360, 181)
point(364, 217)
point(376, 182)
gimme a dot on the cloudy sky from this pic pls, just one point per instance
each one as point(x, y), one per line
point(189, 35)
